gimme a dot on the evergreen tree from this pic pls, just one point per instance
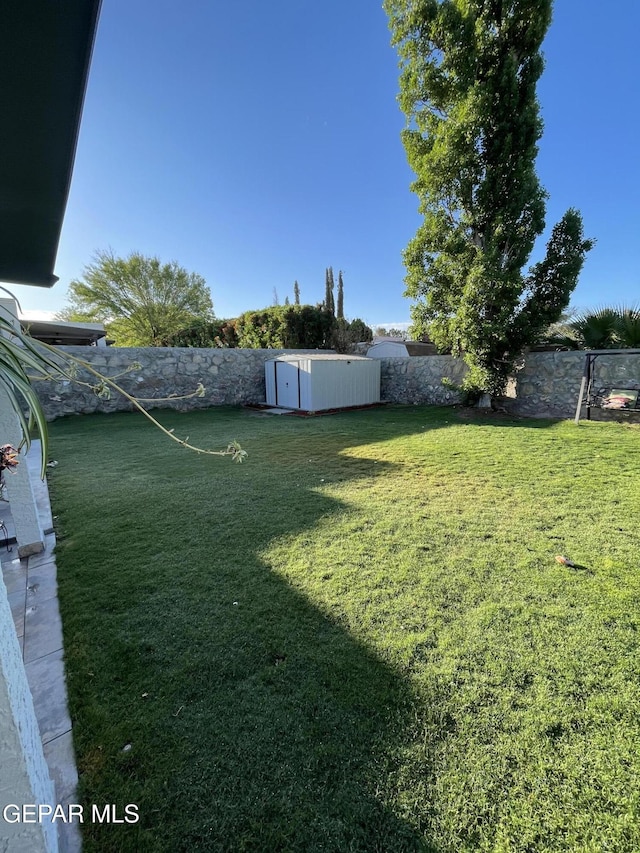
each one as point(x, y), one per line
point(286, 300)
point(468, 89)
point(296, 293)
point(345, 335)
point(328, 303)
point(340, 307)
point(332, 305)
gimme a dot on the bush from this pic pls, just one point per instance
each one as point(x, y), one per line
point(285, 327)
point(277, 327)
point(219, 333)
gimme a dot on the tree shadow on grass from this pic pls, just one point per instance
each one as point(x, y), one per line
point(255, 721)
point(487, 417)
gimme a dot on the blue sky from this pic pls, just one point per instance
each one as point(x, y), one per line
point(258, 143)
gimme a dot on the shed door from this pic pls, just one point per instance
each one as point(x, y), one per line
point(287, 384)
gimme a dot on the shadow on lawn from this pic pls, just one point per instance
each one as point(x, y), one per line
point(487, 417)
point(256, 722)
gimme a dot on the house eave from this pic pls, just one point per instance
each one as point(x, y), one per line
point(45, 55)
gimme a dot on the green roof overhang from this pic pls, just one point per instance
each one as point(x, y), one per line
point(45, 53)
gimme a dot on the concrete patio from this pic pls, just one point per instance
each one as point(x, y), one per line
point(32, 591)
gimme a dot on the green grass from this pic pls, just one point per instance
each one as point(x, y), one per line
point(358, 640)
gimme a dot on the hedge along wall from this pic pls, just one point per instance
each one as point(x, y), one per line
point(547, 385)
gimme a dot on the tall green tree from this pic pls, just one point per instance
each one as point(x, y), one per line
point(140, 300)
point(328, 295)
point(346, 334)
point(468, 89)
point(398, 333)
point(296, 293)
point(340, 304)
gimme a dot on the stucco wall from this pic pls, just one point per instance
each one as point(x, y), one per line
point(547, 385)
point(19, 488)
point(24, 775)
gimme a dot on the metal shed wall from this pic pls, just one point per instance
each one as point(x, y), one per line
point(323, 382)
point(270, 380)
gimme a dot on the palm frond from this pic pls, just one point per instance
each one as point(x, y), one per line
point(596, 329)
point(18, 354)
point(628, 326)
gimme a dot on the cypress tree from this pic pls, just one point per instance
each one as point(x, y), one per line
point(340, 307)
point(327, 291)
point(329, 295)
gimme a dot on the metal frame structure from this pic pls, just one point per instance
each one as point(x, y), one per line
point(586, 386)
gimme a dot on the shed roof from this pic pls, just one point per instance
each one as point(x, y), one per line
point(391, 345)
point(323, 356)
point(403, 348)
point(45, 52)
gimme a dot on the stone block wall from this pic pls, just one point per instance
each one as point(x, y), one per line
point(230, 377)
point(549, 382)
point(547, 385)
point(419, 379)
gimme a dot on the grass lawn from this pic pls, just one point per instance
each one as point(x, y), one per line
point(357, 640)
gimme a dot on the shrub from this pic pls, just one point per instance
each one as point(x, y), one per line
point(285, 327)
point(219, 333)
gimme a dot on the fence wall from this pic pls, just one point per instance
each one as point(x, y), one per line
point(549, 382)
point(230, 377)
point(547, 385)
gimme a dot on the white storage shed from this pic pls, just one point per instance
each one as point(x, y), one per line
point(388, 349)
point(400, 349)
point(317, 382)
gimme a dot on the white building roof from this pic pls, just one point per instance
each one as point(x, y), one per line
point(322, 356)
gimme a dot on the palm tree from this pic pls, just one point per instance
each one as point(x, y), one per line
point(616, 327)
point(628, 327)
point(596, 329)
